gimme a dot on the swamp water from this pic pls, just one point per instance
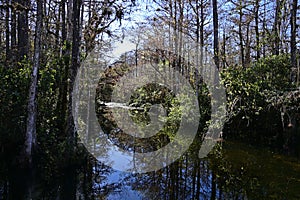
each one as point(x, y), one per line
point(233, 171)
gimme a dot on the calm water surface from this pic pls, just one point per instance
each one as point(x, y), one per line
point(233, 171)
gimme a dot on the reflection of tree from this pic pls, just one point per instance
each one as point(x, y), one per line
point(180, 180)
point(228, 173)
point(86, 121)
point(241, 172)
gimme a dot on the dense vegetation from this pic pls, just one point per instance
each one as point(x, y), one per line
point(263, 103)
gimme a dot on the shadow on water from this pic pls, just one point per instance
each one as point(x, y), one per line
point(232, 171)
point(32, 184)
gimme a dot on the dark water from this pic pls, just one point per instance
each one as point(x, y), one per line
point(233, 171)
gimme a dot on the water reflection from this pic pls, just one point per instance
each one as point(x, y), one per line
point(234, 171)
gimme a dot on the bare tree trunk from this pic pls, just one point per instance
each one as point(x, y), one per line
point(175, 32)
point(293, 38)
point(63, 22)
point(57, 29)
point(180, 29)
point(32, 105)
point(23, 29)
point(264, 28)
point(276, 28)
point(70, 18)
point(201, 32)
point(7, 32)
point(216, 33)
point(224, 48)
point(241, 35)
point(1, 31)
point(13, 31)
point(63, 88)
point(247, 46)
point(74, 68)
point(257, 29)
point(170, 28)
point(198, 9)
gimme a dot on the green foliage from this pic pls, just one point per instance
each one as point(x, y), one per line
point(256, 96)
point(14, 84)
point(247, 87)
point(14, 88)
point(273, 73)
point(152, 94)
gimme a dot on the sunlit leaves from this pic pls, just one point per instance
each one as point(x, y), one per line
point(247, 88)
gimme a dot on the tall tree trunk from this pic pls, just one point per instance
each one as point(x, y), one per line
point(23, 30)
point(241, 35)
point(216, 33)
point(70, 19)
point(180, 30)
point(276, 27)
point(264, 32)
point(74, 68)
point(57, 29)
point(63, 22)
point(63, 88)
point(247, 46)
point(13, 31)
point(175, 33)
point(257, 29)
point(30, 141)
point(7, 32)
point(201, 32)
point(198, 9)
point(1, 31)
point(293, 22)
point(224, 48)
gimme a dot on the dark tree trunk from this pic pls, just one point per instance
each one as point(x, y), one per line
point(216, 33)
point(247, 46)
point(13, 31)
point(63, 88)
point(257, 29)
point(63, 19)
point(241, 37)
point(69, 19)
point(7, 32)
point(224, 49)
point(198, 9)
point(276, 28)
point(264, 33)
point(57, 29)
point(200, 36)
point(23, 30)
point(74, 68)
point(293, 22)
